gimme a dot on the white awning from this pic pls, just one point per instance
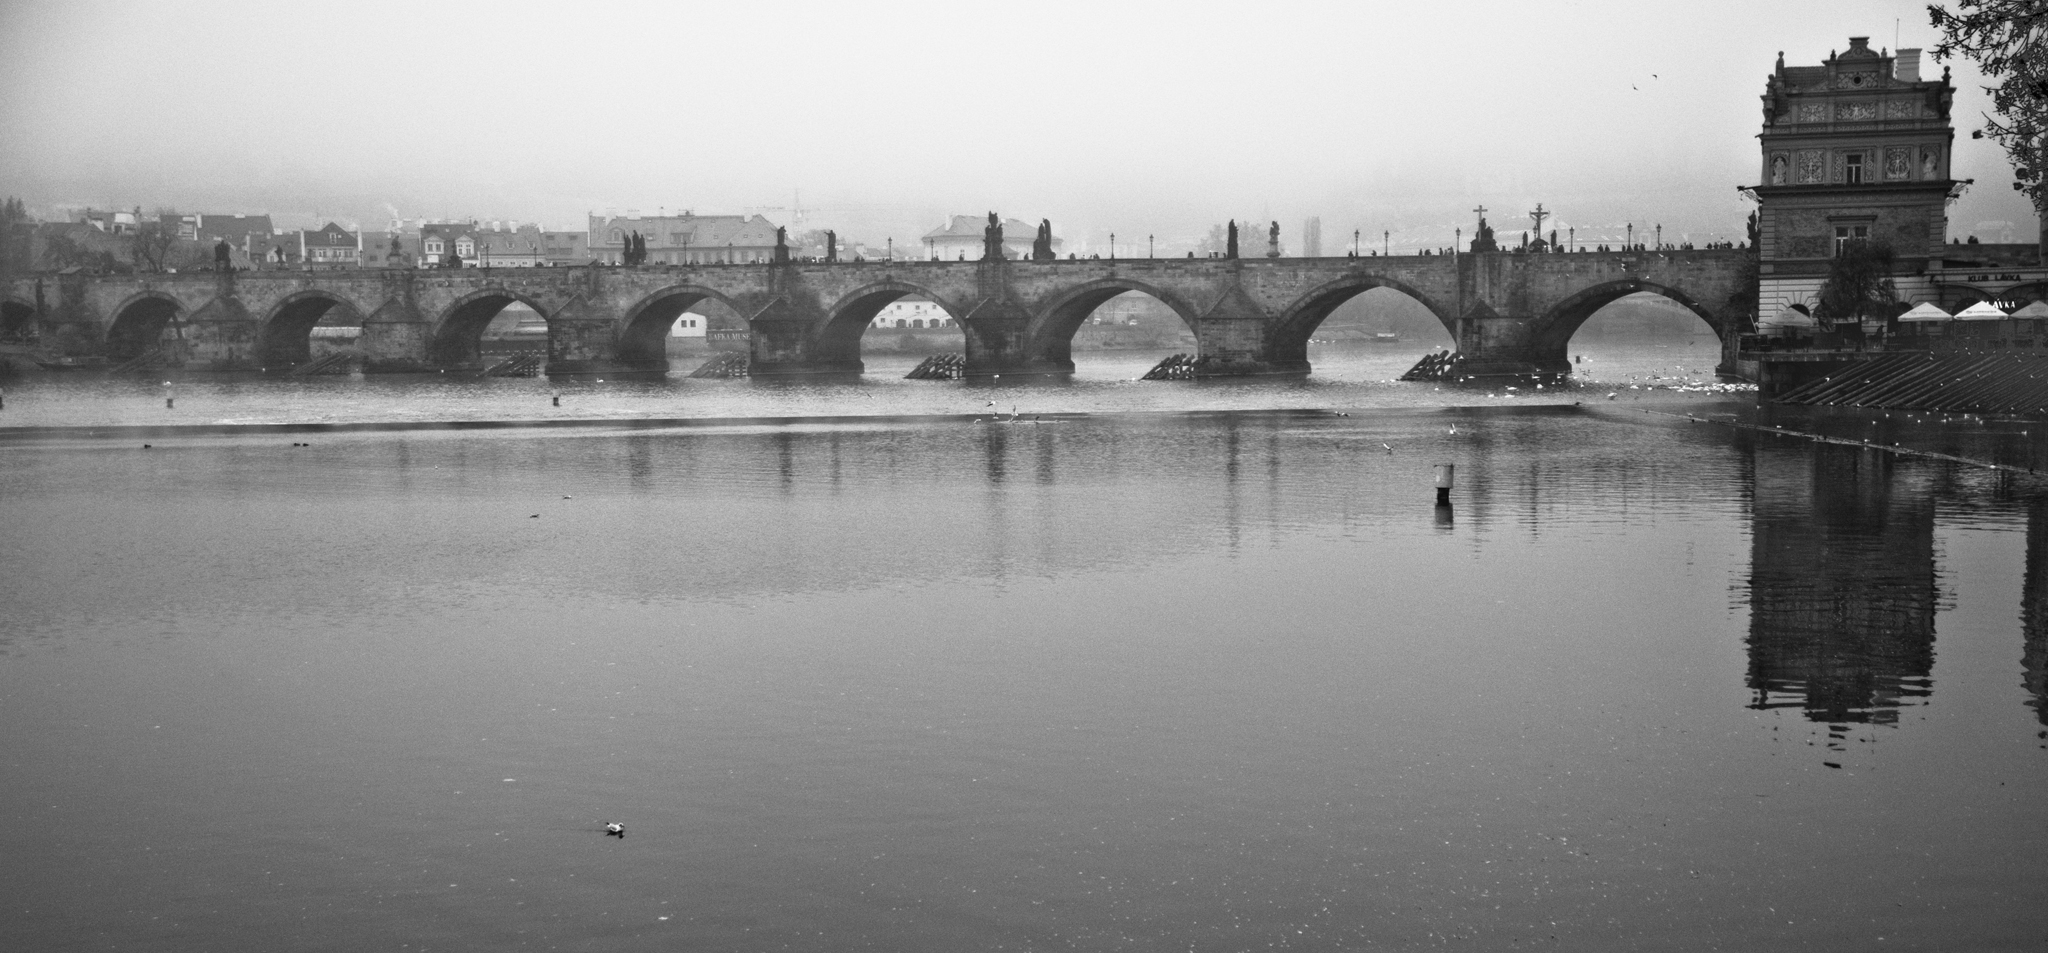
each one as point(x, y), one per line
point(1786, 319)
point(1981, 311)
point(2036, 309)
point(1925, 311)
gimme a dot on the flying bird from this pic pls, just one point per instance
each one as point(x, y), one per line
point(615, 829)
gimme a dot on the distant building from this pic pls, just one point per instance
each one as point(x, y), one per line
point(961, 239)
point(113, 223)
point(1855, 149)
point(683, 239)
point(438, 240)
point(57, 245)
point(912, 313)
point(253, 235)
point(565, 248)
point(515, 247)
point(331, 246)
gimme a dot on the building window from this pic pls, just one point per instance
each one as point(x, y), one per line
point(1846, 235)
point(1853, 164)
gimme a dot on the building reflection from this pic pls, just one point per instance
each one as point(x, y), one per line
point(1842, 586)
point(2034, 610)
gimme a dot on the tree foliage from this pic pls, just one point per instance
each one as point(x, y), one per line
point(1859, 284)
point(2008, 40)
point(150, 245)
point(15, 229)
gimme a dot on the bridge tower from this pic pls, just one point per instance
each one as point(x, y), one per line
point(1855, 149)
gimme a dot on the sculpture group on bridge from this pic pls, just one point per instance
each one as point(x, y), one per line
point(992, 239)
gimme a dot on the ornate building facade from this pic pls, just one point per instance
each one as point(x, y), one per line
point(1855, 149)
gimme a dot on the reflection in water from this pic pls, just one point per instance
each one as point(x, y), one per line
point(937, 684)
point(2034, 609)
point(1842, 585)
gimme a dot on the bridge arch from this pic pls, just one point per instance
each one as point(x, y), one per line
point(17, 319)
point(837, 335)
point(644, 330)
point(1554, 331)
point(1049, 338)
point(139, 323)
point(285, 336)
point(459, 329)
point(1288, 341)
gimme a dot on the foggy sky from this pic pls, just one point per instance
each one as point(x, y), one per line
point(1133, 117)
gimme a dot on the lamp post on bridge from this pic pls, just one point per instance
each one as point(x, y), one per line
point(1112, 246)
point(1148, 245)
point(1354, 243)
point(1386, 244)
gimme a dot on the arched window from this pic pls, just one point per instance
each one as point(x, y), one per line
point(618, 236)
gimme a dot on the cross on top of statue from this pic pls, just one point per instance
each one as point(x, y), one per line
point(1481, 212)
point(1539, 215)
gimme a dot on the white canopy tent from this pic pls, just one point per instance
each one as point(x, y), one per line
point(1787, 319)
point(1981, 311)
point(2034, 310)
point(1925, 311)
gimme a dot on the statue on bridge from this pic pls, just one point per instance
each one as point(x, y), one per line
point(1230, 240)
point(831, 245)
point(1482, 240)
point(1041, 246)
point(781, 245)
point(992, 239)
point(1273, 241)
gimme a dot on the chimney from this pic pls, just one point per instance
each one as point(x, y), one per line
point(1907, 67)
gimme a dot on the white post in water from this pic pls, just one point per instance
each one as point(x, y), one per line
point(1445, 474)
point(170, 395)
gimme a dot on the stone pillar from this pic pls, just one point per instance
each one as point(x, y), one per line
point(1231, 340)
point(998, 339)
point(221, 336)
point(583, 342)
point(397, 338)
point(784, 342)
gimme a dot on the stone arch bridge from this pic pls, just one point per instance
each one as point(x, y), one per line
point(1510, 313)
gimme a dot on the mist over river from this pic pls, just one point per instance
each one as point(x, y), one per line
point(1153, 666)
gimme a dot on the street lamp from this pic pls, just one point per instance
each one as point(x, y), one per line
point(1354, 243)
point(1112, 246)
point(1148, 246)
point(1386, 244)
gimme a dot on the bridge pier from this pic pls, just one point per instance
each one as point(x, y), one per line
point(221, 336)
point(784, 344)
point(583, 342)
point(396, 339)
point(1506, 346)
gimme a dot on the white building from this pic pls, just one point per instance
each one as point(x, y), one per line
point(910, 313)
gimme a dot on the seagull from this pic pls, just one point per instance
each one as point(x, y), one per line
point(1454, 430)
point(1388, 449)
point(614, 829)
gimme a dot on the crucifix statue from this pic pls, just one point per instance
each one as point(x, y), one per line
point(1539, 215)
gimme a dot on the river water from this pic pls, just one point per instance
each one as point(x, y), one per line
point(1184, 672)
